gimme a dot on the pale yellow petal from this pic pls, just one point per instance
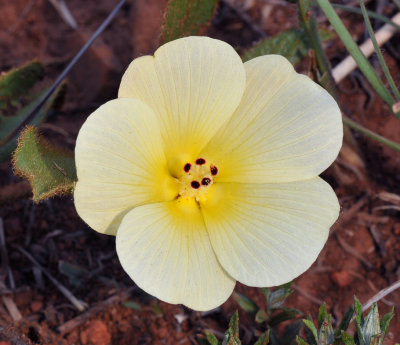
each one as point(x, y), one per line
point(194, 84)
point(268, 234)
point(120, 164)
point(166, 251)
point(286, 128)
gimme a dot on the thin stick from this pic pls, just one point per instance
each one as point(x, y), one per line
point(382, 36)
point(80, 305)
point(381, 294)
point(64, 73)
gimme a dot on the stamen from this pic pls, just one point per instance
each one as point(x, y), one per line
point(187, 167)
point(195, 184)
point(200, 161)
point(205, 181)
point(214, 170)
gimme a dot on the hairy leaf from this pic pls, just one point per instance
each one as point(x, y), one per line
point(186, 18)
point(49, 170)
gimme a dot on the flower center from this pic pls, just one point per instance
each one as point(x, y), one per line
point(196, 179)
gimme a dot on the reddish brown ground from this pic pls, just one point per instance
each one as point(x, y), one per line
point(361, 257)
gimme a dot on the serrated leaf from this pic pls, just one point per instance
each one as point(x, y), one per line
point(322, 314)
point(263, 339)
point(344, 324)
point(292, 44)
point(186, 18)
point(245, 303)
point(300, 341)
point(371, 329)
point(9, 123)
point(287, 314)
point(17, 82)
point(132, 305)
point(49, 170)
point(347, 338)
point(232, 333)
point(310, 325)
point(385, 322)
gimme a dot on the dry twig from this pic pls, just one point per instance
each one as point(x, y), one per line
point(381, 294)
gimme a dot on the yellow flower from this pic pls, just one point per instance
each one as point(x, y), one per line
point(206, 170)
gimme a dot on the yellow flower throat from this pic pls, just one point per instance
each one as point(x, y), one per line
point(196, 179)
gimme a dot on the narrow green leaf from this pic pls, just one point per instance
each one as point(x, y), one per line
point(277, 297)
point(17, 82)
point(49, 170)
point(322, 314)
point(261, 316)
point(212, 339)
point(132, 305)
point(232, 334)
point(344, 324)
point(310, 325)
point(300, 341)
point(9, 123)
point(326, 333)
point(385, 322)
point(187, 18)
point(263, 339)
point(347, 338)
point(355, 52)
point(359, 321)
point(245, 302)
point(291, 331)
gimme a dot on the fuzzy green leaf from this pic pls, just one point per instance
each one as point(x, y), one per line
point(212, 339)
point(263, 339)
point(186, 18)
point(261, 316)
point(49, 170)
point(277, 297)
point(347, 338)
point(17, 82)
point(385, 322)
point(292, 44)
point(9, 123)
point(310, 325)
point(245, 302)
point(286, 314)
point(232, 333)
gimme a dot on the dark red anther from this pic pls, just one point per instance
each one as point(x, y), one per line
point(205, 181)
point(200, 161)
point(187, 167)
point(214, 170)
point(195, 184)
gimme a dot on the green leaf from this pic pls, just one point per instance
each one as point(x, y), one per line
point(232, 334)
point(291, 331)
point(359, 320)
point(385, 322)
point(300, 341)
point(371, 329)
point(276, 298)
point(17, 82)
point(310, 325)
point(132, 305)
point(322, 314)
point(326, 333)
point(9, 123)
point(212, 338)
point(347, 338)
point(263, 339)
point(286, 314)
point(75, 274)
point(49, 170)
point(292, 44)
point(344, 324)
point(187, 18)
point(245, 302)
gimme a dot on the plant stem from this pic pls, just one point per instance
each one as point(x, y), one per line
point(389, 143)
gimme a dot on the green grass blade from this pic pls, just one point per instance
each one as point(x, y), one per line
point(356, 53)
